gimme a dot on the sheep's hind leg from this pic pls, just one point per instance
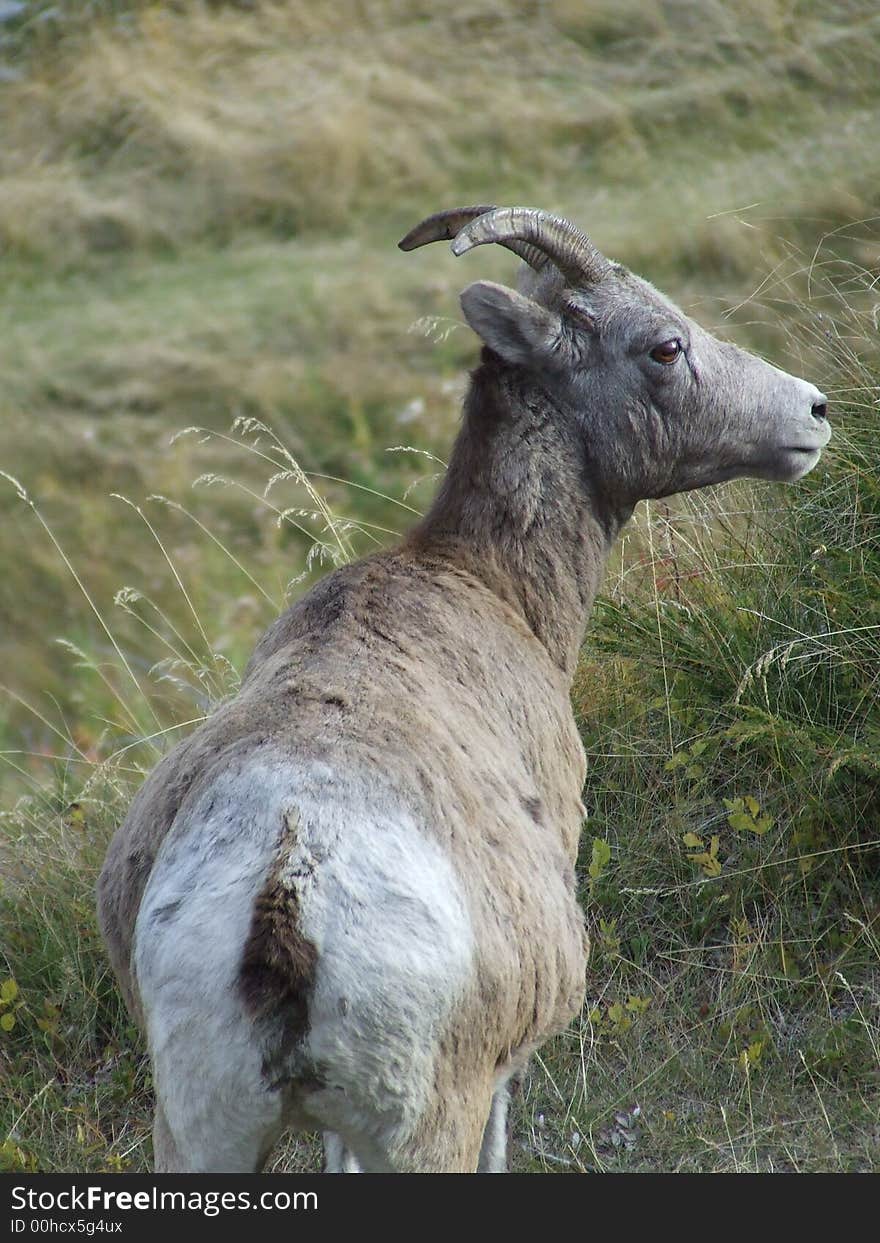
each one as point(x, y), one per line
point(215, 1114)
point(217, 1142)
point(338, 1159)
point(445, 1140)
point(493, 1153)
point(166, 1158)
point(449, 1138)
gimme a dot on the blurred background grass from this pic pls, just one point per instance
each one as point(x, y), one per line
point(198, 211)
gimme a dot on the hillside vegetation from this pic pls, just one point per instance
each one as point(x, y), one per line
point(218, 377)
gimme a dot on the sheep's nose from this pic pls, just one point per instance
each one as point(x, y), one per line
point(820, 409)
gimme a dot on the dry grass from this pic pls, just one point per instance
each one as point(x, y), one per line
point(198, 206)
point(166, 126)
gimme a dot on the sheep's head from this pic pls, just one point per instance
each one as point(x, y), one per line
point(663, 405)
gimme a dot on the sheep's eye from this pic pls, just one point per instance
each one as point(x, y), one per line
point(666, 353)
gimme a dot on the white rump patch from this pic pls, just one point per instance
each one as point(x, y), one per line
point(385, 910)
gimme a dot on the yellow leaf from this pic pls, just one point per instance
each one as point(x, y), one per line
point(7, 1021)
point(8, 990)
point(75, 817)
point(692, 841)
point(708, 862)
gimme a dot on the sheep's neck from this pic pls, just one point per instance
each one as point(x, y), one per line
point(519, 509)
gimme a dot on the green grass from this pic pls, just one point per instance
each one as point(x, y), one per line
point(198, 211)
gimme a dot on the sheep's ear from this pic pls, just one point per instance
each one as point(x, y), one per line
point(515, 327)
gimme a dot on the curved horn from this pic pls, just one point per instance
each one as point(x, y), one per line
point(444, 225)
point(571, 250)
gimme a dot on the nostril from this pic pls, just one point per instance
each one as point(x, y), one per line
point(820, 410)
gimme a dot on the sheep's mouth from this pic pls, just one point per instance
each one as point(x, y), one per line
point(795, 461)
point(785, 464)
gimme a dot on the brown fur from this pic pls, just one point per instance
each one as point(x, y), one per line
point(278, 963)
point(456, 649)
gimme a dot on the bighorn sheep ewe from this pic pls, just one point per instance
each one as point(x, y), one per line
point(347, 901)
